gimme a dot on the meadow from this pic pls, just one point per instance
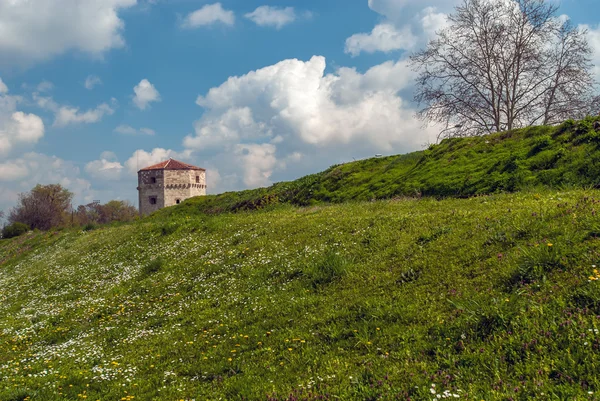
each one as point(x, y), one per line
point(493, 297)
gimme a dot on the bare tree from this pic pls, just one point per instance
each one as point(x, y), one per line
point(504, 64)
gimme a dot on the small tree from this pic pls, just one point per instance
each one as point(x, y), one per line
point(504, 64)
point(44, 207)
point(14, 230)
point(115, 210)
point(118, 210)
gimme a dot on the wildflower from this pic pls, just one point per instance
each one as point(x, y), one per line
point(549, 244)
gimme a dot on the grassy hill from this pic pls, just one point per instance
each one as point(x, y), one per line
point(493, 297)
point(553, 157)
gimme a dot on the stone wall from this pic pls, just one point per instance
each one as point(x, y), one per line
point(148, 189)
point(168, 187)
point(181, 184)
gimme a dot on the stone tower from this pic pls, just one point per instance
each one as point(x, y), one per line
point(168, 183)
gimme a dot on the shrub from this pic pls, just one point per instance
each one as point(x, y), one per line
point(14, 230)
point(89, 227)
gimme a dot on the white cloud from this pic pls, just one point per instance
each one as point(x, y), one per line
point(91, 81)
point(71, 115)
point(106, 168)
point(145, 93)
point(13, 171)
point(407, 25)
point(398, 10)
point(384, 38)
point(214, 131)
point(296, 97)
point(23, 173)
point(129, 130)
point(45, 86)
point(141, 158)
point(265, 124)
point(208, 15)
point(65, 115)
point(258, 162)
point(593, 37)
point(276, 17)
point(36, 30)
point(16, 127)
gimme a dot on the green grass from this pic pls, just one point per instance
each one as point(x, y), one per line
point(565, 156)
point(472, 276)
point(360, 301)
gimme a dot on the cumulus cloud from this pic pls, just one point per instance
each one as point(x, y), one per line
point(296, 97)
point(145, 93)
point(23, 173)
point(66, 115)
point(593, 37)
point(398, 10)
point(208, 15)
point(45, 86)
point(16, 127)
point(13, 171)
point(384, 38)
point(407, 24)
point(276, 17)
point(258, 162)
point(71, 115)
point(106, 168)
point(91, 81)
point(36, 30)
point(141, 158)
point(129, 130)
point(292, 113)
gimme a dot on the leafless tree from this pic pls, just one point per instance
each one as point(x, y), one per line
point(504, 64)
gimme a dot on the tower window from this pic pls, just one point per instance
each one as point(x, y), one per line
point(178, 201)
point(153, 200)
point(153, 180)
point(197, 178)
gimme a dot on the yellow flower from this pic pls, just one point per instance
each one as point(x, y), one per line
point(549, 244)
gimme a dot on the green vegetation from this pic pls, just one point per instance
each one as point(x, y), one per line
point(566, 156)
point(491, 297)
point(14, 230)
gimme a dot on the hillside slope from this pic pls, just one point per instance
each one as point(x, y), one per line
point(492, 298)
point(555, 157)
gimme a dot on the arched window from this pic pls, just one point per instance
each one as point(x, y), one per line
point(178, 201)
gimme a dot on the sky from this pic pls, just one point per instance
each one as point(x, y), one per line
point(255, 91)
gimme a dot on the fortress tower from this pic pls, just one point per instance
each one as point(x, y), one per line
point(168, 183)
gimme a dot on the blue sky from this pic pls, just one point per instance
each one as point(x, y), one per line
point(256, 91)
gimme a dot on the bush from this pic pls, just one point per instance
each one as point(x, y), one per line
point(89, 227)
point(14, 230)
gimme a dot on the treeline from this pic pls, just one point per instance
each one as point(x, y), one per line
point(50, 206)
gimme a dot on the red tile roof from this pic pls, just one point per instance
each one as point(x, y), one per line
point(172, 164)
